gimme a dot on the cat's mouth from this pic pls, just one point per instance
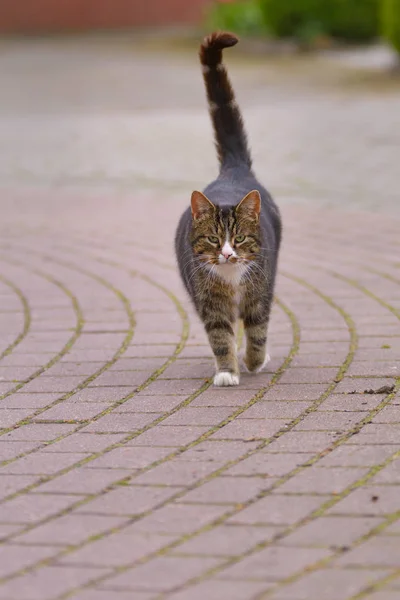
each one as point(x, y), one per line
point(228, 261)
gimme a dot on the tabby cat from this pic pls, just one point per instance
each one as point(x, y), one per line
point(227, 241)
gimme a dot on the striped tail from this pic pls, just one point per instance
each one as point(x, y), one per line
point(230, 135)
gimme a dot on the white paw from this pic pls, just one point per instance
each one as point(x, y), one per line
point(260, 368)
point(266, 361)
point(223, 379)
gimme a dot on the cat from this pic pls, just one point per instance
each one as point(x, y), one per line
point(227, 242)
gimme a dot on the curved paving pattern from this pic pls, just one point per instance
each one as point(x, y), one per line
point(120, 461)
point(125, 474)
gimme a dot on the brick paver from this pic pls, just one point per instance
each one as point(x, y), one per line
point(124, 473)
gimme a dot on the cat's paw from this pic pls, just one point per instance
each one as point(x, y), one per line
point(255, 366)
point(266, 361)
point(224, 379)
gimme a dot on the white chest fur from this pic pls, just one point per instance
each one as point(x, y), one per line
point(231, 273)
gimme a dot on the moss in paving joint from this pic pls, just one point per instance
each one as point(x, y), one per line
point(27, 317)
point(84, 461)
point(66, 347)
point(377, 586)
point(276, 377)
point(178, 349)
point(190, 536)
point(88, 380)
point(312, 461)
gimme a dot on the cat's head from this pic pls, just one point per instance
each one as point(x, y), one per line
point(226, 235)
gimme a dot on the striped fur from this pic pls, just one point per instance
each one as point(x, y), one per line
point(230, 136)
point(227, 241)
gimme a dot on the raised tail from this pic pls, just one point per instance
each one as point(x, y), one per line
point(230, 135)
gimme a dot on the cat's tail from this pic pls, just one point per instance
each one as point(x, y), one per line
point(230, 135)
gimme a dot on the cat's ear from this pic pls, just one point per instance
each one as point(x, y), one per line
point(250, 206)
point(201, 205)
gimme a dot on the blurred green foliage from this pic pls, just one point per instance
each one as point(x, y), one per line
point(391, 22)
point(244, 17)
point(347, 20)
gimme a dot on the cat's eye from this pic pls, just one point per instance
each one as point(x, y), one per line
point(239, 239)
point(213, 239)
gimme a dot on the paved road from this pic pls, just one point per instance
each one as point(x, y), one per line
point(124, 473)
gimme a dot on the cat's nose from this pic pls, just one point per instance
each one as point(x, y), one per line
point(226, 253)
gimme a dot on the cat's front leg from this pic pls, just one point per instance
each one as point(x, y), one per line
point(220, 330)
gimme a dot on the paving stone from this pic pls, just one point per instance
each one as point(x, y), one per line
point(97, 594)
point(227, 490)
point(31, 508)
point(274, 563)
point(128, 457)
point(39, 432)
point(83, 481)
point(217, 451)
point(322, 481)
point(356, 456)
point(299, 392)
point(118, 423)
point(376, 433)
point(48, 582)
point(369, 501)
point(14, 558)
point(61, 385)
point(11, 418)
point(385, 595)
point(32, 401)
point(176, 473)
point(175, 387)
point(10, 450)
point(215, 590)
point(129, 500)
point(177, 518)
point(171, 572)
point(69, 530)
point(8, 529)
point(149, 404)
point(227, 540)
point(331, 532)
point(71, 411)
point(328, 421)
point(117, 549)
point(308, 375)
point(217, 398)
point(389, 475)
point(329, 584)
point(169, 435)
point(99, 394)
point(42, 463)
point(381, 551)
point(130, 379)
point(359, 385)
point(352, 402)
point(269, 464)
point(85, 442)
point(296, 441)
point(199, 416)
point(11, 484)
point(278, 510)
point(274, 410)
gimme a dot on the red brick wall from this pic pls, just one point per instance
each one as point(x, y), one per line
point(57, 15)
